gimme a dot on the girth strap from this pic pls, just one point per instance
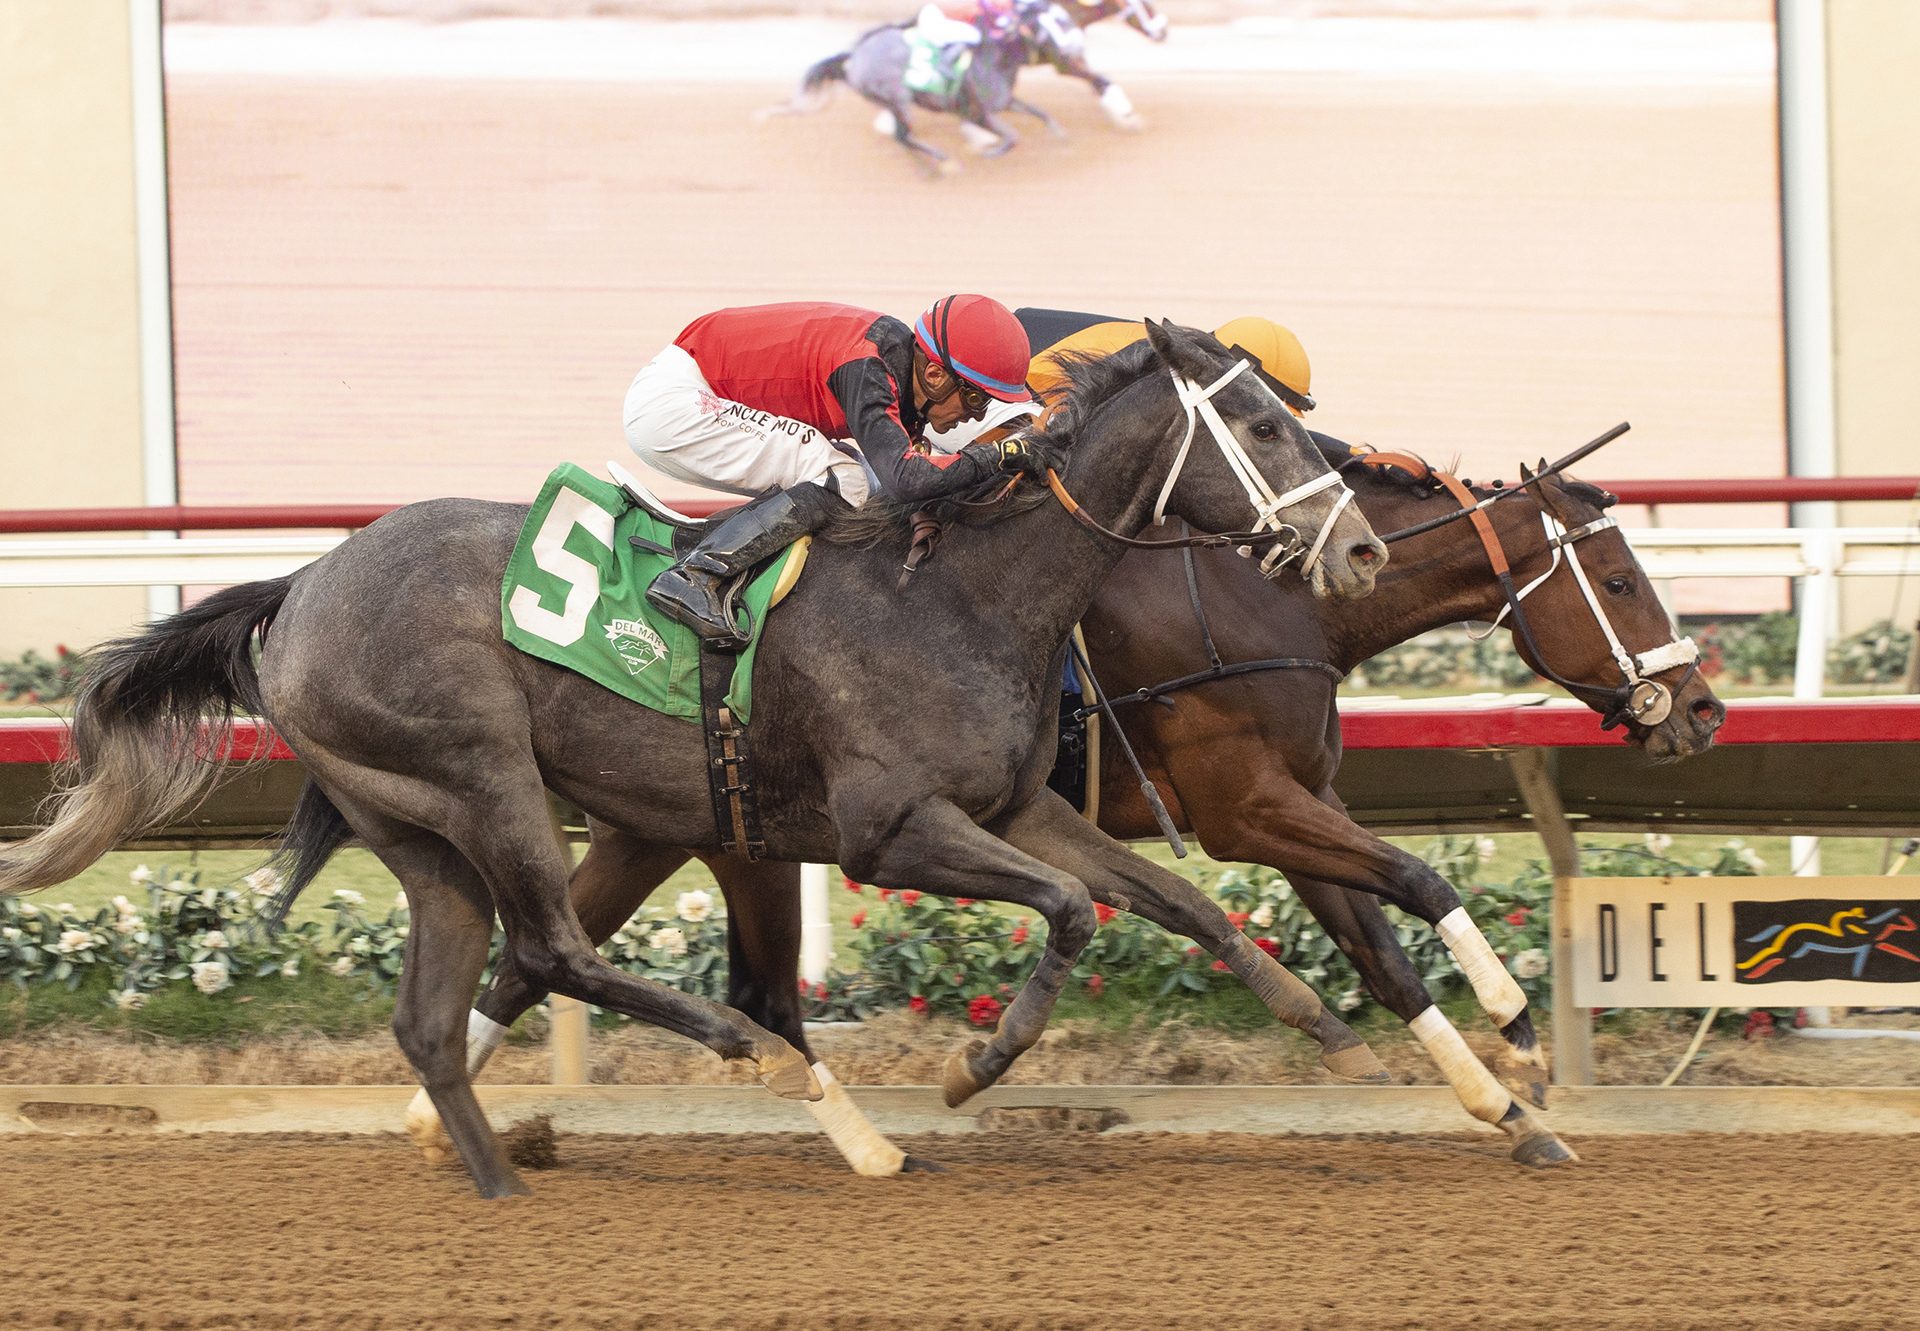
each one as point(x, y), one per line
point(736, 812)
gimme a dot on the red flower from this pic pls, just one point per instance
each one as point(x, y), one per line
point(962, 902)
point(1019, 934)
point(60, 649)
point(1193, 951)
point(1268, 946)
point(1238, 918)
point(849, 884)
point(803, 988)
point(819, 990)
point(1759, 1025)
point(984, 1010)
point(917, 1005)
point(1219, 965)
point(886, 894)
point(1096, 986)
point(859, 918)
point(908, 897)
point(1519, 917)
point(1102, 913)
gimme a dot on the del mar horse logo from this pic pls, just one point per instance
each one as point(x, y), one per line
point(638, 645)
point(1821, 940)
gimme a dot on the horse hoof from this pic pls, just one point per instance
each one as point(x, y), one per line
point(424, 1127)
point(1542, 1149)
point(503, 1188)
point(914, 1164)
point(959, 1082)
point(949, 167)
point(1130, 124)
point(1358, 1064)
point(787, 1075)
point(1524, 1075)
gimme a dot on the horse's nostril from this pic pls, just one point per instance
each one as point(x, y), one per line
point(1364, 555)
point(1708, 711)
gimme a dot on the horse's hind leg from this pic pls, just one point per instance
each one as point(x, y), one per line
point(990, 136)
point(1360, 929)
point(447, 939)
point(1050, 828)
point(1022, 105)
point(510, 840)
point(930, 157)
point(763, 974)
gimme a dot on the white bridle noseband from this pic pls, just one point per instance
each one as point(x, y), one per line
point(1267, 505)
point(1649, 702)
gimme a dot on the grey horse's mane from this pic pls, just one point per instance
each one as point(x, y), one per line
point(1092, 378)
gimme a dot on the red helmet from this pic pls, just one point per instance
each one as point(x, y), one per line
point(978, 339)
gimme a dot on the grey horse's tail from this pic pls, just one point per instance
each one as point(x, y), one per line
point(812, 94)
point(314, 832)
point(149, 731)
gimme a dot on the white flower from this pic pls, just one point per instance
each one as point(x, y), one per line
point(348, 895)
point(670, 941)
point(125, 907)
point(179, 885)
point(129, 924)
point(400, 901)
point(28, 909)
point(1263, 917)
point(209, 897)
point(141, 875)
point(215, 940)
point(263, 881)
point(127, 1000)
point(694, 906)
point(210, 977)
point(290, 967)
point(1531, 964)
point(341, 966)
point(66, 908)
point(9, 933)
point(1659, 843)
point(1486, 848)
point(74, 940)
point(1350, 1000)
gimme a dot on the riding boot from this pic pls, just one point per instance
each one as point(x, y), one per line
point(694, 590)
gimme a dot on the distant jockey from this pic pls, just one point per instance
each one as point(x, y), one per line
point(806, 405)
point(956, 28)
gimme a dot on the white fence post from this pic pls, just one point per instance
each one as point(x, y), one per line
point(816, 924)
point(1821, 550)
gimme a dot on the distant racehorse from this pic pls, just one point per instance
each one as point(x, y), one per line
point(1061, 43)
point(876, 68)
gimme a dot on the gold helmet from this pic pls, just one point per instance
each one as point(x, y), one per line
point(1276, 350)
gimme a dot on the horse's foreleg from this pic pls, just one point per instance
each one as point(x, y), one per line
point(1038, 113)
point(929, 156)
point(1119, 878)
point(1361, 930)
point(763, 977)
point(1283, 825)
point(936, 848)
point(988, 135)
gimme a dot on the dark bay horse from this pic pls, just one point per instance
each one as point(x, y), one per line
point(906, 737)
point(1247, 762)
point(1063, 45)
point(876, 68)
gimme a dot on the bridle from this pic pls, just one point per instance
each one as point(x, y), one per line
point(1638, 699)
point(1285, 541)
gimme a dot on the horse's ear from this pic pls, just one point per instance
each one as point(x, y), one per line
point(1525, 474)
point(1181, 349)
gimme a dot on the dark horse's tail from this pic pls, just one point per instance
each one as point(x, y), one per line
point(149, 731)
point(812, 94)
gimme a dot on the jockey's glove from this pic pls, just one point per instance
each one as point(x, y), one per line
point(1024, 454)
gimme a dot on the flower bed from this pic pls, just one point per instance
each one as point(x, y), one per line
point(912, 950)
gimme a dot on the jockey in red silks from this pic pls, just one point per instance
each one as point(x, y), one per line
point(810, 406)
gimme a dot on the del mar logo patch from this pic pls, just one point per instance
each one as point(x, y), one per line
point(638, 645)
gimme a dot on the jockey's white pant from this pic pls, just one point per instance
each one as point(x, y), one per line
point(944, 30)
point(679, 426)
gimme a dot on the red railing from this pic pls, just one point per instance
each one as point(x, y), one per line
point(187, 517)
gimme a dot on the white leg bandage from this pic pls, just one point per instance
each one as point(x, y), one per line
point(1499, 992)
point(483, 1037)
point(853, 1136)
point(1115, 102)
point(1477, 1088)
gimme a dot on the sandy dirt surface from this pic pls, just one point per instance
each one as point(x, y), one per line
point(389, 289)
point(898, 1049)
point(1025, 1230)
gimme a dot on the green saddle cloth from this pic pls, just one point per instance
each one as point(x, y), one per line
point(574, 594)
point(924, 74)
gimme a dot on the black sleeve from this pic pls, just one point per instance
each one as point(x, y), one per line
point(871, 402)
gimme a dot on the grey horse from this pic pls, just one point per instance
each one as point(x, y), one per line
point(876, 68)
point(906, 736)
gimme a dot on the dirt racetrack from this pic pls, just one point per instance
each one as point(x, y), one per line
point(1027, 1230)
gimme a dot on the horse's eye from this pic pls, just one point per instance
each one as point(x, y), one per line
point(1265, 430)
point(1620, 586)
